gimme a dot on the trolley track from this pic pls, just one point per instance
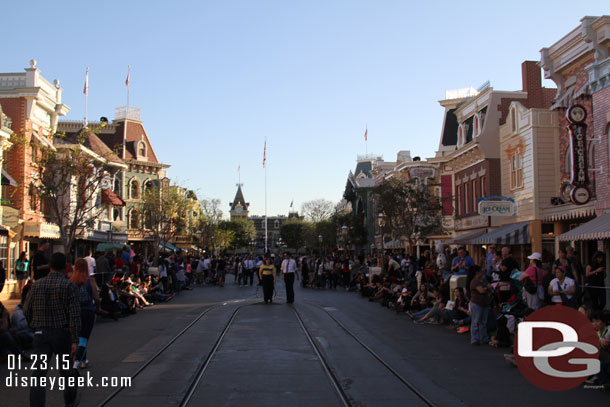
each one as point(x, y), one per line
point(164, 348)
point(374, 354)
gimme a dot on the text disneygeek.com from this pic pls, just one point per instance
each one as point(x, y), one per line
point(60, 382)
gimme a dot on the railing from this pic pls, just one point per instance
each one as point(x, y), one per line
point(127, 112)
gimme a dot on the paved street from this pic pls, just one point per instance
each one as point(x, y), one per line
point(265, 358)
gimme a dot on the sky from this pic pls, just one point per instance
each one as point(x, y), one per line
point(213, 79)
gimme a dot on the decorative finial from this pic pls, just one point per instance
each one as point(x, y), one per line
point(32, 63)
point(56, 83)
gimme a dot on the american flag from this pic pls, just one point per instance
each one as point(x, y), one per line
point(265, 153)
point(86, 89)
point(366, 134)
point(127, 80)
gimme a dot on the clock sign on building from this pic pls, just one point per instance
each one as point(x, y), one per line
point(580, 194)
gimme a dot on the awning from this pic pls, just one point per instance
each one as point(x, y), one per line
point(169, 247)
point(7, 179)
point(103, 247)
point(110, 197)
point(465, 238)
point(596, 229)
point(517, 233)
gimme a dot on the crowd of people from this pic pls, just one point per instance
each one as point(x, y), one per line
point(496, 294)
point(493, 297)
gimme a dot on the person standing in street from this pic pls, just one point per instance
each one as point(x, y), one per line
point(40, 264)
point(89, 300)
point(52, 309)
point(266, 275)
point(480, 302)
point(289, 271)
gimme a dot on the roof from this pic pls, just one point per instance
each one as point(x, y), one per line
point(596, 229)
point(239, 199)
point(92, 142)
point(110, 197)
point(516, 233)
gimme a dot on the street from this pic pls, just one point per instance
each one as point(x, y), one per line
point(265, 357)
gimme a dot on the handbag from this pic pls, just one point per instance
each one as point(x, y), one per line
point(568, 302)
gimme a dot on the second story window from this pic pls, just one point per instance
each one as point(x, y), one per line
point(516, 170)
point(134, 189)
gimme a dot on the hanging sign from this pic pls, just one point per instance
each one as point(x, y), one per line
point(577, 129)
point(497, 206)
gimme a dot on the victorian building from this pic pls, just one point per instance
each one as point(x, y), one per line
point(127, 138)
point(32, 106)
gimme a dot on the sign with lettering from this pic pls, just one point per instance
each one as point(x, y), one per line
point(577, 129)
point(496, 208)
point(422, 172)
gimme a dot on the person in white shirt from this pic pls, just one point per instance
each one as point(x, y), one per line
point(561, 284)
point(289, 272)
point(90, 263)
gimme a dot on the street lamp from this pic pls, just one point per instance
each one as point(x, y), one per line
point(320, 238)
point(381, 222)
point(344, 230)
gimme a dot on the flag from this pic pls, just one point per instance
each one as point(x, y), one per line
point(239, 169)
point(265, 153)
point(86, 89)
point(127, 80)
point(291, 203)
point(366, 135)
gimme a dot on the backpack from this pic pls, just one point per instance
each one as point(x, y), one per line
point(84, 294)
point(529, 285)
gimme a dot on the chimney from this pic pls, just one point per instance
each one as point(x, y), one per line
point(531, 77)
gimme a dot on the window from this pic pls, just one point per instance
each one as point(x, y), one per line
point(142, 149)
point(116, 214)
point(134, 219)
point(513, 120)
point(117, 186)
point(466, 198)
point(459, 200)
point(276, 224)
point(147, 221)
point(148, 187)
point(475, 196)
point(516, 170)
point(134, 189)
point(476, 126)
point(483, 187)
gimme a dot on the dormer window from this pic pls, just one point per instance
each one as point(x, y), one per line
point(476, 125)
point(514, 126)
point(142, 153)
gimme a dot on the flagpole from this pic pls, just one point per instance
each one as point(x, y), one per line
point(265, 164)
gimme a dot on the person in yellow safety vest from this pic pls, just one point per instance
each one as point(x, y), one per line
point(266, 273)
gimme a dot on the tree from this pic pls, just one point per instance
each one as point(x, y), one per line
point(293, 233)
point(318, 209)
point(411, 210)
point(242, 229)
point(162, 213)
point(210, 218)
point(356, 229)
point(67, 179)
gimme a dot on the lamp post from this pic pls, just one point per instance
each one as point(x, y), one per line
point(381, 222)
point(344, 230)
point(320, 238)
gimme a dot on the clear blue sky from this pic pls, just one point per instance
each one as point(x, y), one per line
point(214, 78)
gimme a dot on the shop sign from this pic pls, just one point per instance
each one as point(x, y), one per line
point(422, 172)
point(10, 217)
point(497, 206)
point(577, 129)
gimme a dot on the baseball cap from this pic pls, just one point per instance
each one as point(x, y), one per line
point(535, 256)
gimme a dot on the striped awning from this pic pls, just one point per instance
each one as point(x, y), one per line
point(465, 238)
point(596, 229)
point(517, 233)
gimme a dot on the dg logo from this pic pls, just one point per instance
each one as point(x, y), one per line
point(556, 348)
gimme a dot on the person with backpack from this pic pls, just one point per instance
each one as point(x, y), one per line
point(89, 300)
point(533, 292)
